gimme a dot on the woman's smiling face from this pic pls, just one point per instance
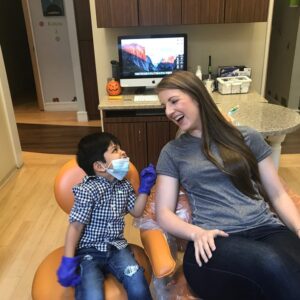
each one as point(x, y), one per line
point(182, 110)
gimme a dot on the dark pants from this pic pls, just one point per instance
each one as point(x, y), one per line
point(261, 263)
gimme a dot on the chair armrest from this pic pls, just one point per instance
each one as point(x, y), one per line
point(158, 251)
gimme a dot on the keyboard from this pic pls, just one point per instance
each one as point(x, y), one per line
point(145, 98)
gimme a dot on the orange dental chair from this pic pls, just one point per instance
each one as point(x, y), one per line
point(45, 285)
point(158, 250)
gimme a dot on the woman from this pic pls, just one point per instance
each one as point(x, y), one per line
point(238, 248)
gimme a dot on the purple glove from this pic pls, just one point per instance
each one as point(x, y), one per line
point(67, 272)
point(148, 178)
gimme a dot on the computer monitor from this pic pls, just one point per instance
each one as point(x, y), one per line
point(145, 59)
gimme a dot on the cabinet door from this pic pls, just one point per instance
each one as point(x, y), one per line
point(158, 134)
point(238, 11)
point(116, 13)
point(203, 11)
point(159, 12)
point(132, 137)
point(172, 130)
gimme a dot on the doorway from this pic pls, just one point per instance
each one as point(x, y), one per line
point(16, 54)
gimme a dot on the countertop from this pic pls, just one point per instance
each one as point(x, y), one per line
point(266, 118)
point(254, 111)
point(126, 101)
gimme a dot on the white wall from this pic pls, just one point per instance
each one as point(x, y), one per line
point(229, 44)
point(10, 148)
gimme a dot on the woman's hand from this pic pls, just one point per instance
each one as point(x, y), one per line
point(204, 243)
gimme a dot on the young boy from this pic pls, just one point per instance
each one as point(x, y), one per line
point(96, 230)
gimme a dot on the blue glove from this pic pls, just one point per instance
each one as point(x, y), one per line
point(67, 272)
point(148, 178)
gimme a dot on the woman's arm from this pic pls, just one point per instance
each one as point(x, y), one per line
point(166, 199)
point(281, 202)
point(166, 194)
point(72, 237)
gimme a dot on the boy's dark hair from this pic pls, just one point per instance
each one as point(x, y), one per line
point(91, 148)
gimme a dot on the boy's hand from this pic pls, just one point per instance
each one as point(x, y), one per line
point(66, 273)
point(148, 178)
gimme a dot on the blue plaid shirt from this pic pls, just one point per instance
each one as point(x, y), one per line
point(102, 205)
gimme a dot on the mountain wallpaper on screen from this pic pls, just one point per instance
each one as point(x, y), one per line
point(135, 60)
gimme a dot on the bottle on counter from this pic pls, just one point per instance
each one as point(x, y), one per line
point(199, 72)
point(209, 67)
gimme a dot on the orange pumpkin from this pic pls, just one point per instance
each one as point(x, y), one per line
point(113, 88)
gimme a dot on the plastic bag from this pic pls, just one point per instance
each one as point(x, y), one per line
point(172, 287)
point(148, 219)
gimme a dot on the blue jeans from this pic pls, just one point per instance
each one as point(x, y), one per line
point(121, 263)
point(261, 263)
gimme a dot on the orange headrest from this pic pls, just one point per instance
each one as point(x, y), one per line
point(133, 177)
point(71, 174)
point(68, 176)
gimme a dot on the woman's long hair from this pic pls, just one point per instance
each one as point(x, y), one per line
point(239, 163)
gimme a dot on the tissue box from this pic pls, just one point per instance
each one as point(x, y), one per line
point(234, 85)
point(229, 71)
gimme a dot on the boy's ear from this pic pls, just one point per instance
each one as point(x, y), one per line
point(99, 166)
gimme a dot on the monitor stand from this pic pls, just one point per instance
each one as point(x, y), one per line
point(142, 90)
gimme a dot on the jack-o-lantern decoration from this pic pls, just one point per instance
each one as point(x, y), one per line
point(113, 87)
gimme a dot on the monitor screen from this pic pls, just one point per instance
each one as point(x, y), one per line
point(145, 59)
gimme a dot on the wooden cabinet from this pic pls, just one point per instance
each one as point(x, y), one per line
point(132, 139)
point(243, 11)
point(159, 12)
point(142, 136)
point(117, 13)
point(125, 13)
point(158, 134)
point(203, 11)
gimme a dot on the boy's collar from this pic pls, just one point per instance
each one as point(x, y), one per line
point(99, 177)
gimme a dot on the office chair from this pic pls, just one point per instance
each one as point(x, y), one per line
point(45, 285)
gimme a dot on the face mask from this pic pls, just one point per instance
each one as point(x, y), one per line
point(119, 168)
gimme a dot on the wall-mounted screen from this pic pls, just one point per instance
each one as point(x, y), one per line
point(145, 59)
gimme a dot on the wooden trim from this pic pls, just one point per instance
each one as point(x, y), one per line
point(34, 61)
